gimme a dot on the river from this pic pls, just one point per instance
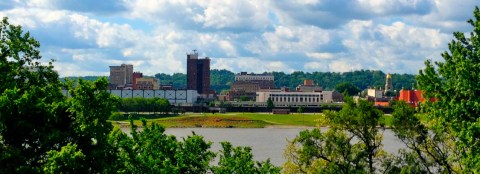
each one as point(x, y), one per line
point(265, 142)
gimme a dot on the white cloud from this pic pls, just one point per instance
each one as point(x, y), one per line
point(320, 56)
point(292, 39)
point(252, 35)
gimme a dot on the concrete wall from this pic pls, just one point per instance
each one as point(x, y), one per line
point(174, 96)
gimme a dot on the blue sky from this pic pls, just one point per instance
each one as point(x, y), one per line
point(395, 36)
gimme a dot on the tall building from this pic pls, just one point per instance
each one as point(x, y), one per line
point(198, 73)
point(121, 75)
point(388, 84)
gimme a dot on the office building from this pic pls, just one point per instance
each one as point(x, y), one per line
point(198, 73)
point(246, 85)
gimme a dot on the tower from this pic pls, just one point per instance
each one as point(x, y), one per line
point(388, 83)
point(198, 73)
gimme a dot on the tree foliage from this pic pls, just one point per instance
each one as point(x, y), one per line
point(240, 160)
point(334, 151)
point(145, 105)
point(454, 83)
point(270, 104)
point(347, 88)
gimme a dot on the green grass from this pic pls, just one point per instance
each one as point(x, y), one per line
point(243, 120)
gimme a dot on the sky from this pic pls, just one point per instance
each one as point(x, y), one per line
point(85, 37)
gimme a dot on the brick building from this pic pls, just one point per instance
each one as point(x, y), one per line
point(135, 76)
point(246, 85)
point(412, 97)
point(147, 83)
point(198, 74)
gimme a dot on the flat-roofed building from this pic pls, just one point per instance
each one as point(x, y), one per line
point(147, 83)
point(198, 74)
point(121, 75)
point(246, 85)
point(309, 86)
point(300, 98)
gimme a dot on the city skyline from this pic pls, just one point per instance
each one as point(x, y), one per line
point(253, 36)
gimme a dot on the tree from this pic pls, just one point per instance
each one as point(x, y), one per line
point(152, 151)
point(348, 88)
point(300, 109)
point(317, 152)
point(29, 102)
point(68, 160)
point(89, 108)
point(240, 160)
point(427, 151)
point(270, 104)
point(454, 83)
point(331, 152)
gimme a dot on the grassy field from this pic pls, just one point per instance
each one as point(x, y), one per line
point(243, 120)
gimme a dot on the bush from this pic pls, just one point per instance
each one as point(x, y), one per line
point(117, 116)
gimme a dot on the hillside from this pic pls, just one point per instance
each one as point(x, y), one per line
point(221, 79)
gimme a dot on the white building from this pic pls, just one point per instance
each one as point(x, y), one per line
point(175, 97)
point(375, 93)
point(299, 98)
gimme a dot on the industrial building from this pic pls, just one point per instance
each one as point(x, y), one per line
point(121, 76)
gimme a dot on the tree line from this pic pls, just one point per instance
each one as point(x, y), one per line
point(221, 80)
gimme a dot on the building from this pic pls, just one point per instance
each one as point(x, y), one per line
point(263, 81)
point(284, 98)
point(147, 83)
point(388, 84)
point(198, 74)
point(308, 86)
point(121, 75)
point(375, 93)
point(246, 85)
point(412, 97)
point(135, 76)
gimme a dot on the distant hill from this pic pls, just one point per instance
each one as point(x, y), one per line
point(363, 79)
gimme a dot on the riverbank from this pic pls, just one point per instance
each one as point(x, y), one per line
point(239, 120)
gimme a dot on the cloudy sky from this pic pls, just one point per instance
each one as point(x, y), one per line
point(395, 36)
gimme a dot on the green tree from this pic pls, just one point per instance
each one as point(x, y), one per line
point(240, 160)
point(300, 109)
point(68, 160)
point(427, 151)
point(270, 104)
point(29, 103)
point(348, 88)
point(331, 152)
point(317, 152)
point(454, 83)
point(89, 107)
point(152, 151)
